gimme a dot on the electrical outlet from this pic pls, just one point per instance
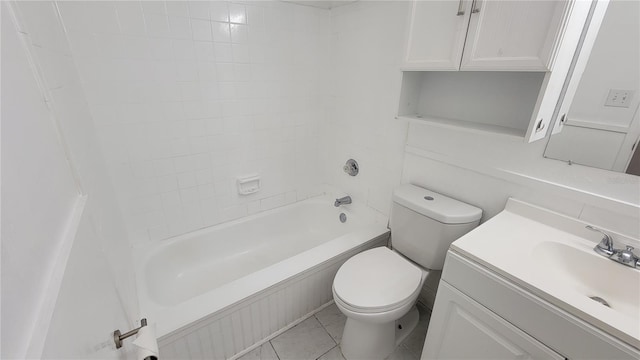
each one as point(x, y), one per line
point(619, 98)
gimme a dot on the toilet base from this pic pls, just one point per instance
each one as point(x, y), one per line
point(365, 340)
point(406, 324)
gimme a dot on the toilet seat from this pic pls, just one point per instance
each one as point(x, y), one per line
point(377, 280)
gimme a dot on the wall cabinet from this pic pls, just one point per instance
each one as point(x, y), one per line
point(437, 30)
point(484, 35)
point(499, 35)
point(480, 314)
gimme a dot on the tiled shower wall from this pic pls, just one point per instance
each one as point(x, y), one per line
point(186, 96)
point(367, 40)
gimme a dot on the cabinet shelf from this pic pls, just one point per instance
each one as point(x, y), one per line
point(467, 126)
point(482, 102)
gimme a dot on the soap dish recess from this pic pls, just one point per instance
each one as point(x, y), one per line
point(248, 184)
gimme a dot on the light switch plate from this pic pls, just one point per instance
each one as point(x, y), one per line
point(619, 98)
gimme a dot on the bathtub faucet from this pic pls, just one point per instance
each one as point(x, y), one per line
point(342, 201)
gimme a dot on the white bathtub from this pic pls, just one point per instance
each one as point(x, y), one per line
point(186, 280)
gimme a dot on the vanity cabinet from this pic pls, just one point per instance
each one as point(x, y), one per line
point(484, 35)
point(480, 314)
point(467, 330)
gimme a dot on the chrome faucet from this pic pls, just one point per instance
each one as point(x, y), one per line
point(342, 201)
point(606, 249)
point(605, 246)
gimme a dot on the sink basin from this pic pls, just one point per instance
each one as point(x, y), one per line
point(590, 275)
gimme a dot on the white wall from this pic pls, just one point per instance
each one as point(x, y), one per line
point(186, 96)
point(39, 196)
point(95, 290)
point(484, 170)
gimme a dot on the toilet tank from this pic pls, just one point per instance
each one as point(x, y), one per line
point(424, 224)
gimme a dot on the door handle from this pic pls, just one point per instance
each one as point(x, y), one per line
point(476, 7)
point(460, 8)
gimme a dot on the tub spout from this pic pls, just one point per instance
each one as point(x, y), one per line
point(342, 201)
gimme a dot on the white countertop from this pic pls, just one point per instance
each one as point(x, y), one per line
point(552, 256)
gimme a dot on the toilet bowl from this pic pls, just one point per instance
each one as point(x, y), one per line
point(377, 289)
point(375, 300)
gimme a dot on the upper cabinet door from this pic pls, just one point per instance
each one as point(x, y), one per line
point(578, 16)
point(513, 35)
point(436, 34)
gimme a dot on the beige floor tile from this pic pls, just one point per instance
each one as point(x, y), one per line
point(333, 320)
point(333, 354)
point(307, 340)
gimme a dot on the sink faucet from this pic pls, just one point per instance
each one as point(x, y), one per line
point(606, 249)
point(605, 246)
point(342, 201)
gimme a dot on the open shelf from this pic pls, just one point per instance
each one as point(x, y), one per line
point(484, 102)
point(467, 126)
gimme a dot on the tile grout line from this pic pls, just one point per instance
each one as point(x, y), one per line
point(328, 351)
point(274, 350)
point(325, 329)
point(334, 340)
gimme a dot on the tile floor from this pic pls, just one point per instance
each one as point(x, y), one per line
point(318, 337)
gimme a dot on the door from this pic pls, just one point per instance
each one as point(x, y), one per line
point(578, 14)
point(513, 35)
point(437, 30)
point(461, 328)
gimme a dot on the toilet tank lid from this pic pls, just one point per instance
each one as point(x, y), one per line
point(436, 206)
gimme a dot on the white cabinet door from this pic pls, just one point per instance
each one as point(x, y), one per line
point(578, 14)
point(500, 35)
point(513, 35)
point(460, 328)
point(437, 30)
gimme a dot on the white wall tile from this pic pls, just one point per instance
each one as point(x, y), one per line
point(177, 8)
point(180, 27)
point(219, 11)
point(130, 17)
point(102, 17)
point(360, 122)
point(198, 9)
point(239, 33)
point(201, 30)
point(190, 97)
point(156, 7)
point(184, 50)
point(157, 25)
point(237, 14)
point(221, 32)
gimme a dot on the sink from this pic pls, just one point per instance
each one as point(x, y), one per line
point(590, 275)
point(552, 256)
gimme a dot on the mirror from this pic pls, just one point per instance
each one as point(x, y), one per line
point(602, 126)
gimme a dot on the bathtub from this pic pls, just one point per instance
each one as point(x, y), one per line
point(218, 291)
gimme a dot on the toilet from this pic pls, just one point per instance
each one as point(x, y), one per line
point(377, 289)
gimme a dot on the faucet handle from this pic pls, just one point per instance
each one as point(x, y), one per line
point(627, 257)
